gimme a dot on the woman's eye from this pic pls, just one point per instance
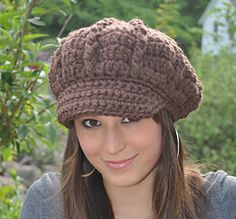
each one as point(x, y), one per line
point(89, 123)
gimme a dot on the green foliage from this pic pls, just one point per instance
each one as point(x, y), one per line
point(86, 12)
point(10, 201)
point(177, 18)
point(26, 110)
point(172, 19)
point(211, 131)
point(167, 14)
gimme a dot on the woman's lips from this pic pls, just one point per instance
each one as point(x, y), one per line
point(117, 165)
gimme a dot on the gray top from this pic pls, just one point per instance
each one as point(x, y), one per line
point(44, 202)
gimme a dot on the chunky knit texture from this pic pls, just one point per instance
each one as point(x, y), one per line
point(123, 69)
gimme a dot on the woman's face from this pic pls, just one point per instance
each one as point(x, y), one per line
point(125, 152)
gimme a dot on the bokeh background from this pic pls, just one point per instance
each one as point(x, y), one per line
point(31, 140)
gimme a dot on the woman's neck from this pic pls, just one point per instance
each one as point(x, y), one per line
point(133, 202)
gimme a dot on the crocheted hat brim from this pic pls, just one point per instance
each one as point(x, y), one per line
point(107, 97)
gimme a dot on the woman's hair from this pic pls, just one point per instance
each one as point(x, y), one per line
point(177, 192)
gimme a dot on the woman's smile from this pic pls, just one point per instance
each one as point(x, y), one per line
point(121, 164)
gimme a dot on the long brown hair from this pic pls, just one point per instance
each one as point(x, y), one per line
point(178, 188)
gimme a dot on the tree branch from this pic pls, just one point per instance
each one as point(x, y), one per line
point(23, 32)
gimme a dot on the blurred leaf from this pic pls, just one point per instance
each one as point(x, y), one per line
point(7, 153)
point(7, 77)
point(22, 130)
point(8, 15)
point(34, 36)
point(6, 19)
point(52, 133)
point(74, 1)
point(5, 191)
point(62, 12)
point(36, 65)
point(4, 58)
point(36, 21)
point(5, 33)
point(49, 46)
point(67, 3)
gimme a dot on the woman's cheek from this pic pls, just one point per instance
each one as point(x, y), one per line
point(144, 137)
point(89, 143)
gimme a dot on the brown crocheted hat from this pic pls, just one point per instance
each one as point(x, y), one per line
point(123, 69)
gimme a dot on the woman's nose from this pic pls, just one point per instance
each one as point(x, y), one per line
point(114, 141)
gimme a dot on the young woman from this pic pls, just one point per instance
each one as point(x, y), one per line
point(120, 87)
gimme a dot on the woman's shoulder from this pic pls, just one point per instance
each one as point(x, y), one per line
point(220, 181)
point(48, 182)
point(47, 185)
point(221, 191)
point(218, 176)
point(43, 198)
